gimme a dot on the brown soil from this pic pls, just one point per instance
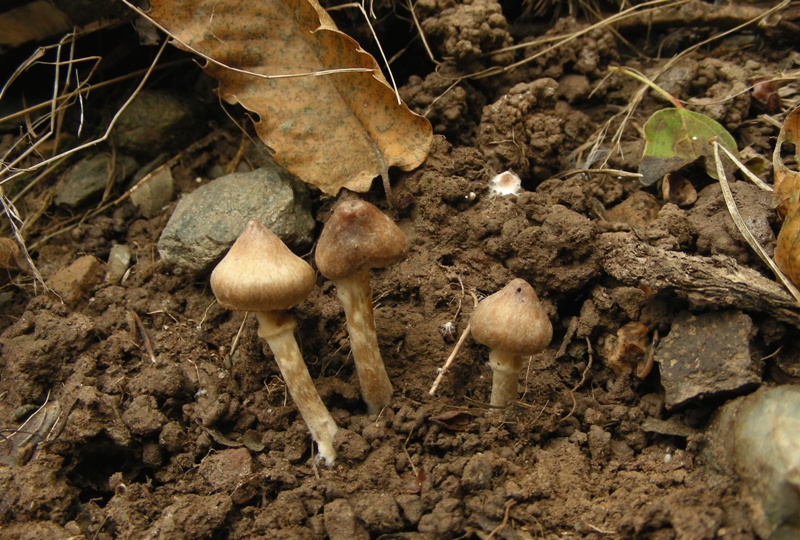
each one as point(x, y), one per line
point(193, 442)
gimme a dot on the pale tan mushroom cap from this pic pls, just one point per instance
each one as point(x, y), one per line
point(260, 273)
point(512, 320)
point(357, 237)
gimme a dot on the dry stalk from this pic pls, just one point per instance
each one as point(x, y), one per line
point(317, 73)
point(742, 226)
point(453, 354)
point(627, 112)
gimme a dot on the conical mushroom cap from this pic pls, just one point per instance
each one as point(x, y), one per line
point(512, 320)
point(356, 237)
point(260, 273)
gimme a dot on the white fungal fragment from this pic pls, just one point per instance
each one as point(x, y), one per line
point(505, 183)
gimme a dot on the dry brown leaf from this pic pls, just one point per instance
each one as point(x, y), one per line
point(332, 130)
point(787, 198)
point(453, 420)
point(786, 180)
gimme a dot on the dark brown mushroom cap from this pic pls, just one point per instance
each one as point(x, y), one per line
point(356, 237)
point(260, 273)
point(512, 320)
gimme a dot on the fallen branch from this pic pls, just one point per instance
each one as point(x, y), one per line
point(702, 14)
point(704, 281)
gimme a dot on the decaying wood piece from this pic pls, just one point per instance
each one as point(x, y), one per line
point(781, 18)
point(704, 281)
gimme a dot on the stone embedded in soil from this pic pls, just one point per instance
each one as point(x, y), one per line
point(711, 223)
point(143, 417)
point(378, 512)
point(350, 445)
point(153, 122)
point(119, 260)
point(191, 517)
point(341, 523)
point(226, 469)
point(446, 519)
point(638, 210)
point(207, 221)
point(87, 179)
point(152, 196)
point(480, 470)
point(756, 437)
point(706, 355)
point(75, 282)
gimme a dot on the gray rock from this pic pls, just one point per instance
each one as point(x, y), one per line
point(756, 437)
point(87, 179)
point(154, 121)
point(152, 196)
point(227, 469)
point(207, 221)
point(706, 355)
point(341, 523)
point(711, 223)
point(119, 260)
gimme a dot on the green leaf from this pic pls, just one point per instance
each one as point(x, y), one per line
point(675, 138)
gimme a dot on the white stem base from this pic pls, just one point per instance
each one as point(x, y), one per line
point(356, 297)
point(277, 328)
point(505, 376)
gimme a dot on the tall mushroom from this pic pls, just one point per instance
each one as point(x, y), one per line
point(260, 274)
point(512, 323)
point(358, 237)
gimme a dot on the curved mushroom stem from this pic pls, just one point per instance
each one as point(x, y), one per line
point(277, 328)
point(356, 296)
point(505, 375)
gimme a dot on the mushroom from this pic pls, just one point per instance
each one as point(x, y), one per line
point(260, 274)
point(358, 237)
point(512, 323)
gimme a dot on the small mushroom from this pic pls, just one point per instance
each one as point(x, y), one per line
point(512, 323)
point(260, 274)
point(358, 237)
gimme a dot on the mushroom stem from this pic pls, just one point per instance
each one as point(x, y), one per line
point(505, 376)
point(277, 329)
point(355, 294)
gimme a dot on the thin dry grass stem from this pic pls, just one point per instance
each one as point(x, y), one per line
point(54, 117)
point(148, 344)
point(747, 172)
point(421, 33)
point(574, 406)
point(646, 365)
point(499, 528)
point(87, 89)
point(360, 7)
point(204, 56)
point(112, 165)
point(30, 61)
point(588, 365)
point(609, 172)
point(572, 327)
point(453, 354)
point(31, 184)
point(627, 112)
point(74, 222)
point(13, 220)
point(237, 157)
point(408, 456)
point(205, 314)
point(634, 10)
point(744, 230)
point(440, 96)
point(93, 142)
